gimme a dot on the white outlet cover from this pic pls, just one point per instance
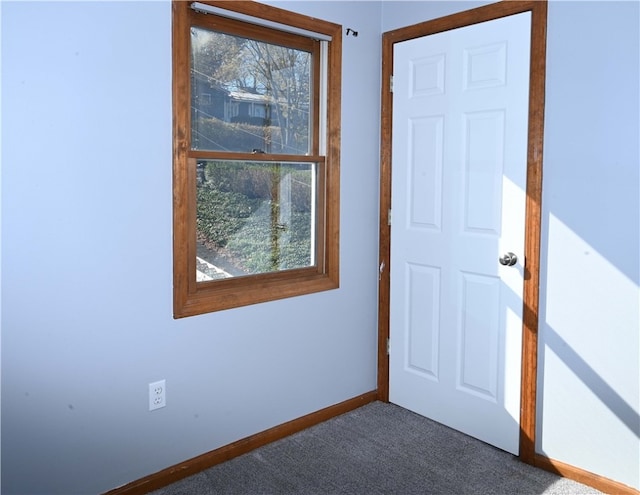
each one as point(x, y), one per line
point(157, 395)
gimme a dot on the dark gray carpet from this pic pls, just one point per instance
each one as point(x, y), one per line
point(376, 449)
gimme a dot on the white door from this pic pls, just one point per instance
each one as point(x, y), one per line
point(460, 104)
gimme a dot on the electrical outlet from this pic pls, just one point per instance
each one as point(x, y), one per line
point(157, 395)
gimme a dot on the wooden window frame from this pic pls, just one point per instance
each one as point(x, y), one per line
point(191, 297)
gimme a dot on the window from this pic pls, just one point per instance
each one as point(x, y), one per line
point(256, 104)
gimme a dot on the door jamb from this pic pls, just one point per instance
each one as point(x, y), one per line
point(538, 11)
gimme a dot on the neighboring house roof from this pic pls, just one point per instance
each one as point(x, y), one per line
point(251, 97)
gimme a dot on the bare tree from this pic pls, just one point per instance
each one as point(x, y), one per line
point(282, 75)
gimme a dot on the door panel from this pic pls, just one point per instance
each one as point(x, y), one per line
point(422, 345)
point(459, 153)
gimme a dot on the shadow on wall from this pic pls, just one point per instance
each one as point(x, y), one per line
point(587, 375)
point(595, 305)
point(588, 362)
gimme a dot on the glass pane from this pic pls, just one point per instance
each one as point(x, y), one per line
point(249, 96)
point(254, 217)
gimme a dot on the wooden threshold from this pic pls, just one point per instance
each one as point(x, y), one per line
point(596, 481)
point(200, 463)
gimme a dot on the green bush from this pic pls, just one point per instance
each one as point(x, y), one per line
point(237, 210)
point(217, 135)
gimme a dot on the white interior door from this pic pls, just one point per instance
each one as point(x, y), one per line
point(460, 104)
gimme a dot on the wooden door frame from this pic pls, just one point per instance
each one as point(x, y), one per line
point(538, 9)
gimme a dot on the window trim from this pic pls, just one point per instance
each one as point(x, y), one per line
point(192, 298)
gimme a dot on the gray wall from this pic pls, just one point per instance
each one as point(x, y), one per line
point(589, 360)
point(590, 329)
point(87, 261)
point(86, 252)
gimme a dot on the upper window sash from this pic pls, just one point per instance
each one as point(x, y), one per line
point(268, 81)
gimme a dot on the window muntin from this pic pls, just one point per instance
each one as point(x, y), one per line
point(299, 235)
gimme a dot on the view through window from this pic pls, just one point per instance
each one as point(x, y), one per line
point(251, 96)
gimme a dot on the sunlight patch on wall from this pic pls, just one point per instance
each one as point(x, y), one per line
point(594, 307)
